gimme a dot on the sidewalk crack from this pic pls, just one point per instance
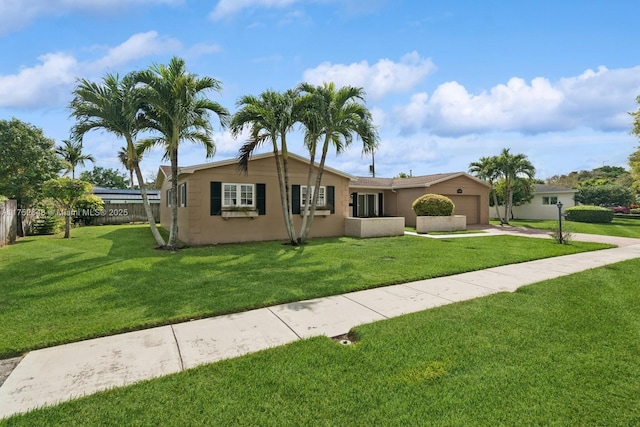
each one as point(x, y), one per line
point(178, 347)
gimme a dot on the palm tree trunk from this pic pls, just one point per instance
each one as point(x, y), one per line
point(131, 179)
point(307, 198)
point(147, 207)
point(173, 228)
point(285, 200)
point(312, 209)
point(287, 188)
point(495, 203)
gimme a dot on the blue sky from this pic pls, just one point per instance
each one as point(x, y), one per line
point(447, 81)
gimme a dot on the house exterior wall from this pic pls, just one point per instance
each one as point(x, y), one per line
point(472, 202)
point(197, 225)
point(537, 210)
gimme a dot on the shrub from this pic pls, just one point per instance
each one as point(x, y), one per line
point(433, 205)
point(49, 222)
point(592, 214)
point(635, 211)
point(87, 208)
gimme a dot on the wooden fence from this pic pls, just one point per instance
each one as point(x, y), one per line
point(124, 213)
point(8, 222)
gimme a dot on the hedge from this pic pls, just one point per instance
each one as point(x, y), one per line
point(433, 205)
point(591, 214)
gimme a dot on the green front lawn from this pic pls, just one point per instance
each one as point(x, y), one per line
point(563, 352)
point(620, 227)
point(109, 279)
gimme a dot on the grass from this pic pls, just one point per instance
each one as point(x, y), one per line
point(109, 279)
point(620, 227)
point(561, 352)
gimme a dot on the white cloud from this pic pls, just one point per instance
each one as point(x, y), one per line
point(137, 46)
point(380, 79)
point(227, 8)
point(598, 100)
point(15, 14)
point(50, 82)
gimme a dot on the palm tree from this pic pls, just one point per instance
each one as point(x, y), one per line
point(71, 153)
point(486, 169)
point(337, 115)
point(269, 117)
point(113, 105)
point(512, 168)
point(123, 156)
point(176, 109)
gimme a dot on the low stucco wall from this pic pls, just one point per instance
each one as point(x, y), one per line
point(374, 227)
point(425, 224)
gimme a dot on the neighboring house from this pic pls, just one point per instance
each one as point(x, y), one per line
point(395, 196)
point(117, 196)
point(544, 203)
point(219, 204)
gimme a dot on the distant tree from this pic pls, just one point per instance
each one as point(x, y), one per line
point(27, 160)
point(598, 176)
point(634, 158)
point(401, 175)
point(71, 153)
point(107, 178)
point(605, 195)
point(66, 192)
point(123, 156)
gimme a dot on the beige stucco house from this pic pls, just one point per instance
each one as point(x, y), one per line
point(394, 196)
point(219, 204)
point(544, 202)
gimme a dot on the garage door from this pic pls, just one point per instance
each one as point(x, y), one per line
point(467, 205)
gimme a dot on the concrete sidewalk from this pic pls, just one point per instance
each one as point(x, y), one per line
point(52, 375)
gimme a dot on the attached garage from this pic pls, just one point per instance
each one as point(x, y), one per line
point(394, 196)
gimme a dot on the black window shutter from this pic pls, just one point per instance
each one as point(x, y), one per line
point(354, 197)
point(216, 198)
point(331, 195)
point(261, 199)
point(380, 204)
point(184, 194)
point(295, 199)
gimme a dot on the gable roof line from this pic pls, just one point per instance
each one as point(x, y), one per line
point(194, 168)
point(429, 180)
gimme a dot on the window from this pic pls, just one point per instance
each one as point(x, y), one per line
point(182, 195)
point(240, 195)
point(168, 193)
point(321, 195)
point(551, 200)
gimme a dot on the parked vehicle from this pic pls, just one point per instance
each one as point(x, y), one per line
point(620, 209)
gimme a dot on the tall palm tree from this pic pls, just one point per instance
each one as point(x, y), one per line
point(486, 169)
point(513, 167)
point(269, 117)
point(71, 153)
point(176, 109)
point(113, 105)
point(123, 156)
point(332, 117)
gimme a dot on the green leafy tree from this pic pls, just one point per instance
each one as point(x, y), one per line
point(113, 105)
point(332, 118)
point(507, 168)
point(27, 160)
point(176, 109)
point(605, 195)
point(71, 153)
point(106, 178)
point(523, 192)
point(269, 117)
point(487, 169)
point(66, 192)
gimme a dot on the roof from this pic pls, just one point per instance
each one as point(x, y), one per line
point(542, 188)
point(411, 182)
point(121, 194)
point(165, 171)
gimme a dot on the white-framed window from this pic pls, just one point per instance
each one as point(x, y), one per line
point(168, 193)
point(367, 205)
point(182, 195)
point(550, 200)
point(241, 195)
point(322, 201)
